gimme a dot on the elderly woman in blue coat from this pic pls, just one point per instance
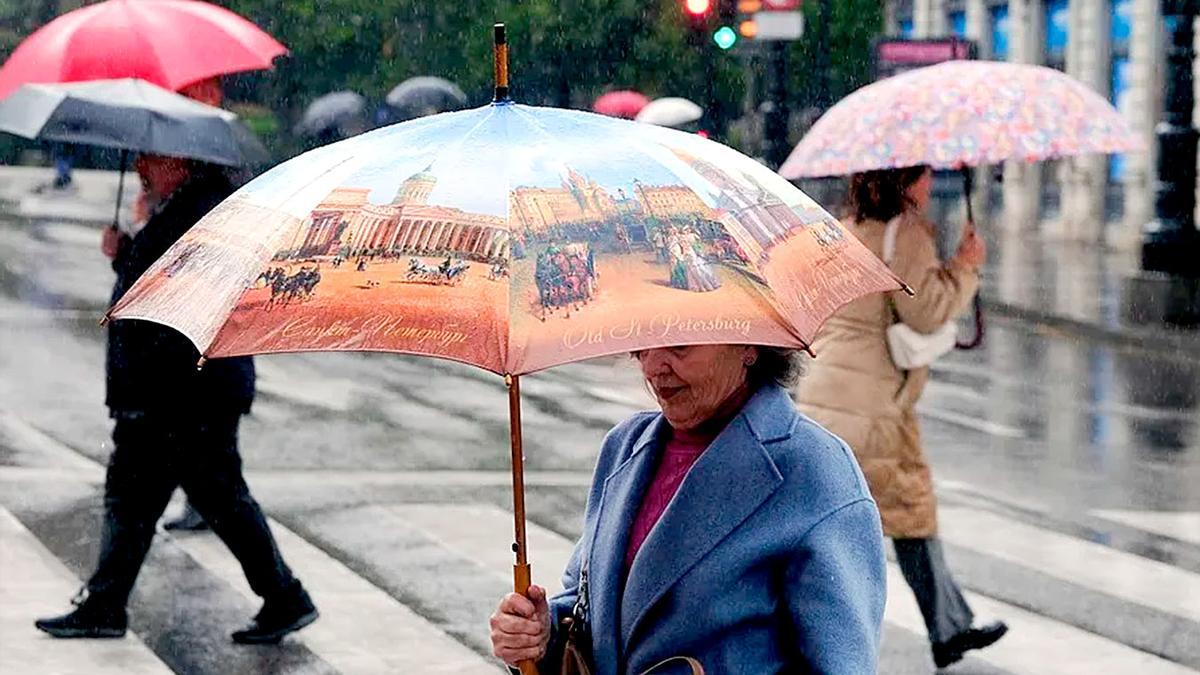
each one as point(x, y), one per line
point(728, 528)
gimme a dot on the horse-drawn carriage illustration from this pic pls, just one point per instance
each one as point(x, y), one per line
point(565, 277)
point(448, 273)
point(286, 287)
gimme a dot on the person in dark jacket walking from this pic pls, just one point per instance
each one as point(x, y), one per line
point(176, 425)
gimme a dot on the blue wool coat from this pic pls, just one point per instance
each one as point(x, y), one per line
point(769, 559)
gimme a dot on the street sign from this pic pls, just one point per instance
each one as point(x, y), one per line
point(779, 25)
point(781, 5)
point(894, 56)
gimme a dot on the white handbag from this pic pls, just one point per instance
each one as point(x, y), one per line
point(910, 349)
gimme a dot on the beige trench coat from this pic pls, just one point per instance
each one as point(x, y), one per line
point(854, 390)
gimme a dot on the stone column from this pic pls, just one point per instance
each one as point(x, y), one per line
point(1143, 104)
point(1089, 60)
point(979, 30)
point(929, 18)
point(1022, 181)
point(979, 26)
point(891, 18)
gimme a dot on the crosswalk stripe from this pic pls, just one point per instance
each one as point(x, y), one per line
point(483, 533)
point(362, 629)
point(1034, 644)
point(1100, 568)
point(30, 576)
point(1181, 525)
point(17, 433)
point(982, 426)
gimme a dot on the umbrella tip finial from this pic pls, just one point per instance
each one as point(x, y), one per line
point(500, 55)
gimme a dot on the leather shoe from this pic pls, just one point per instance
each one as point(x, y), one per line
point(276, 619)
point(952, 650)
point(89, 620)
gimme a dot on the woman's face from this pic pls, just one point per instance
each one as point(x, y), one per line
point(919, 192)
point(691, 383)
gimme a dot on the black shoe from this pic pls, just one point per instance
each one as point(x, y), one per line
point(91, 619)
point(277, 619)
point(952, 650)
point(190, 521)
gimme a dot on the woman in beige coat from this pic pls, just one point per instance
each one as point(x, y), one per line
point(857, 392)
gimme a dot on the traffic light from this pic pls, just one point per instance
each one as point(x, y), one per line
point(747, 26)
point(725, 37)
point(724, 34)
point(697, 9)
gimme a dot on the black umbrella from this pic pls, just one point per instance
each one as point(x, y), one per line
point(426, 95)
point(336, 115)
point(132, 116)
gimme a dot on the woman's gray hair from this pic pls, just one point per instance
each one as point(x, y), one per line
point(775, 365)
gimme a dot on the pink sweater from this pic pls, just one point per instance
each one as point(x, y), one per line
point(681, 452)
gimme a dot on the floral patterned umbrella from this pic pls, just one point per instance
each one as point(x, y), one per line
point(959, 114)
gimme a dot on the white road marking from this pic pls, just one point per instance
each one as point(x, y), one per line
point(34, 583)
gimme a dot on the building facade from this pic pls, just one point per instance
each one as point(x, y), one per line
point(325, 223)
point(345, 223)
point(578, 200)
point(1114, 46)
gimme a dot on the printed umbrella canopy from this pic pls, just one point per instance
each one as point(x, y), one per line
point(512, 238)
point(171, 43)
point(959, 114)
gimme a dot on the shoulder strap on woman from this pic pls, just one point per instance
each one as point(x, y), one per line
point(890, 231)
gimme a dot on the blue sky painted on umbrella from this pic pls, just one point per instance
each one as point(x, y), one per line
point(479, 155)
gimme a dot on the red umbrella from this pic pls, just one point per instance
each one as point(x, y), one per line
point(624, 103)
point(171, 43)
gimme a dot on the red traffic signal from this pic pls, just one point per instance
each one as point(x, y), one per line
point(697, 8)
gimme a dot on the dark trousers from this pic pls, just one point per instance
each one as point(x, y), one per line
point(942, 603)
point(153, 454)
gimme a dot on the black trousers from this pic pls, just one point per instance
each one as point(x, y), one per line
point(942, 604)
point(152, 455)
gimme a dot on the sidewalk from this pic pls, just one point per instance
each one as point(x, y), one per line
point(1064, 286)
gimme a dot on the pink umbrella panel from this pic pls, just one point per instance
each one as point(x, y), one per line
point(958, 114)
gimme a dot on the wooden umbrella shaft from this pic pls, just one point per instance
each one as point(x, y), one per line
point(518, 470)
point(522, 576)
